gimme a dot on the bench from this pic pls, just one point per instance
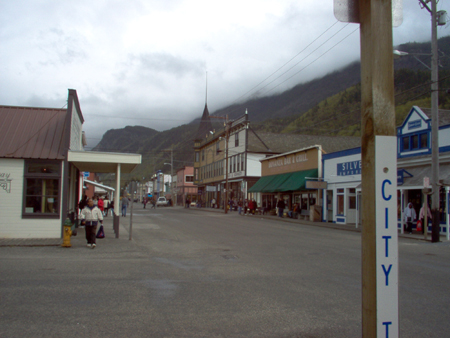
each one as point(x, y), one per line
point(304, 214)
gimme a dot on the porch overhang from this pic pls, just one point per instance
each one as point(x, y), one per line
point(101, 162)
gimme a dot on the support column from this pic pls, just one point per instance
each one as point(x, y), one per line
point(116, 220)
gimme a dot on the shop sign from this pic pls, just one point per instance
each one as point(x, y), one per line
point(349, 168)
point(414, 124)
point(316, 185)
point(401, 176)
point(236, 174)
point(5, 182)
point(210, 188)
point(291, 159)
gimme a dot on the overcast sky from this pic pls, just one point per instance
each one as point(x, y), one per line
point(145, 62)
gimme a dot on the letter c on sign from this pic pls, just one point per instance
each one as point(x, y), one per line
point(382, 190)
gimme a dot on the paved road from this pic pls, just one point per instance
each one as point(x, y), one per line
point(191, 273)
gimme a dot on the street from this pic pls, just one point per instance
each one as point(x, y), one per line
point(197, 273)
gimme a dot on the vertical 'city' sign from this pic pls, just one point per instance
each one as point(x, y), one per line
point(386, 236)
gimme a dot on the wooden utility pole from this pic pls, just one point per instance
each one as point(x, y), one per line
point(377, 119)
point(379, 165)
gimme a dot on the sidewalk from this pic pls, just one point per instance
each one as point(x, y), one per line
point(346, 227)
point(78, 240)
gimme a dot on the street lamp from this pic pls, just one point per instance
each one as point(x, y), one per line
point(399, 53)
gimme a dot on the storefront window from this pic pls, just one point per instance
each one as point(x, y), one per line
point(41, 189)
point(340, 201)
point(352, 198)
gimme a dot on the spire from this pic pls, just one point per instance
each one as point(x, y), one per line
point(205, 123)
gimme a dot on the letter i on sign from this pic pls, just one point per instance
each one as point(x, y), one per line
point(386, 236)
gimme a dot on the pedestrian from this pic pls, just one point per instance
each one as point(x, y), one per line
point(422, 216)
point(101, 205)
point(410, 216)
point(240, 206)
point(82, 204)
point(280, 206)
point(90, 216)
point(125, 202)
point(295, 210)
point(95, 200)
point(145, 202)
point(213, 203)
point(106, 205)
point(250, 207)
point(255, 206)
point(153, 203)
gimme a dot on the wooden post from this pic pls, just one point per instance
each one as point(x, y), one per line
point(377, 119)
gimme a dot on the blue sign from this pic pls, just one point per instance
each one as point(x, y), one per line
point(415, 124)
point(401, 174)
point(349, 168)
point(86, 174)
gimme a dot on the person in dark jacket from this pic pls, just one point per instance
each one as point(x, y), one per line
point(280, 206)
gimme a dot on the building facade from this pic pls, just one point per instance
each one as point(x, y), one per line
point(228, 158)
point(185, 188)
point(342, 171)
point(42, 158)
point(284, 176)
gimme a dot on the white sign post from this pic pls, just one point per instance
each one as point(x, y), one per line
point(386, 236)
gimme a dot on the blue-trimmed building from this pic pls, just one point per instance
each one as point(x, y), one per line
point(342, 171)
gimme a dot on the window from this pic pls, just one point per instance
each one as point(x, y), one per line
point(352, 198)
point(203, 154)
point(238, 162)
point(196, 174)
point(423, 141)
point(42, 189)
point(340, 201)
point(217, 147)
point(415, 141)
point(197, 156)
point(406, 143)
point(236, 140)
point(234, 163)
point(242, 162)
point(340, 204)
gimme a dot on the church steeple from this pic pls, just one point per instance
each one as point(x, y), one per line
point(205, 123)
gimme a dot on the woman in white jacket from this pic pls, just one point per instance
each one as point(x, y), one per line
point(90, 216)
point(410, 216)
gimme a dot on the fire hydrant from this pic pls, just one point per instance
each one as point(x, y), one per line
point(67, 233)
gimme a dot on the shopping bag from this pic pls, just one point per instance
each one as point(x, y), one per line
point(419, 225)
point(100, 232)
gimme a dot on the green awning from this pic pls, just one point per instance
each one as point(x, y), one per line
point(284, 182)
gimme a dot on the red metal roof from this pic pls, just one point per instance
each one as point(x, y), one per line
point(28, 132)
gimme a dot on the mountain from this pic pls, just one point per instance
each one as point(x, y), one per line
point(329, 105)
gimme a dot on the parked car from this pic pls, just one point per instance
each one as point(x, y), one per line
point(162, 202)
